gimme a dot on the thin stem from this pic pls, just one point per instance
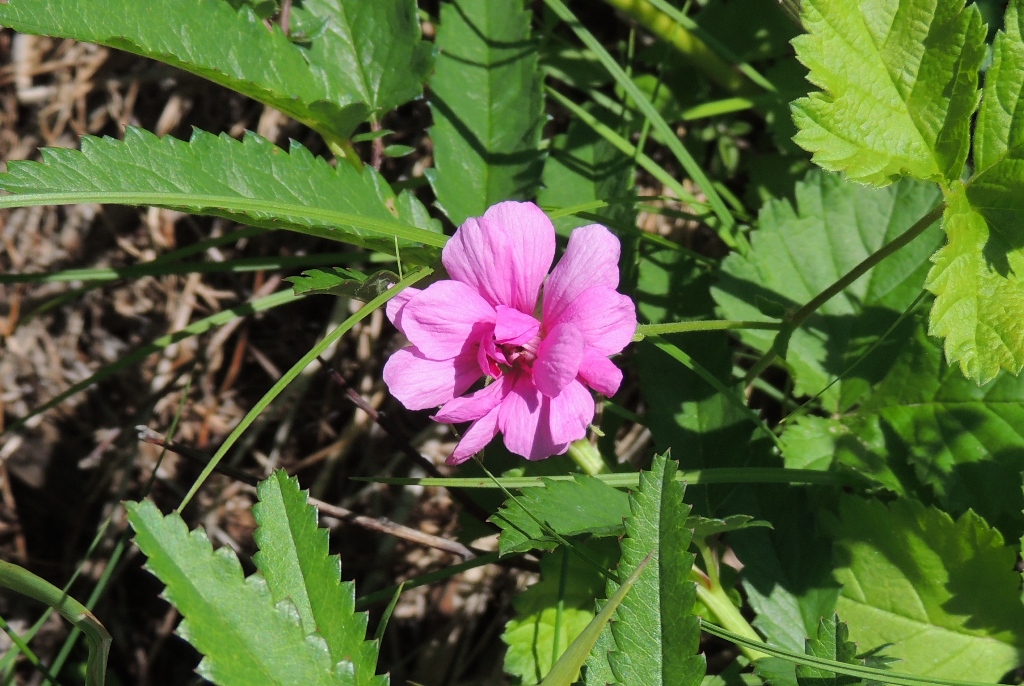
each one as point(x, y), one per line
point(587, 457)
point(645, 330)
point(717, 602)
point(795, 320)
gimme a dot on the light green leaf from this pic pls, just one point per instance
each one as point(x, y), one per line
point(294, 559)
point(656, 635)
point(565, 580)
point(899, 83)
point(485, 94)
point(211, 39)
point(798, 252)
point(583, 506)
point(979, 305)
point(943, 592)
point(372, 49)
point(250, 181)
point(233, 621)
point(583, 167)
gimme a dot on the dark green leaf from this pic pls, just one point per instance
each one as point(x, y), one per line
point(831, 643)
point(343, 282)
point(485, 94)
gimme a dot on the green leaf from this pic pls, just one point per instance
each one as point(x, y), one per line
point(583, 506)
point(943, 592)
point(294, 559)
point(979, 305)
point(798, 252)
point(250, 181)
point(786, 572)
point(583, 167)
point(485, 95)
point(929, 432)
point(656, 635)
point(565, 580)
point(211, 39)
point(705, 527)
point(343, 282)
point(831, 643)
point(233, 621)
point(898, 84)
point(371, 49)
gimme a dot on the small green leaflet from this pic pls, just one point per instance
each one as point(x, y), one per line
point(250, 181)
point(583, 506)
point(294, 559)
point(343, 282)
point(943, 592)
point(373, 49)
point(899, 83)
point(979, 304)
point(211, 39)
point(485, 95)
point(656, 635)
point(797, 252)
point(245, 636)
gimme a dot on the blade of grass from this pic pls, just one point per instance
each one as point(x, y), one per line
point(295, 370)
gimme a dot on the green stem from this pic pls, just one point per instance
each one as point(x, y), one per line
point(728, 615)
point(586, 455)
point(645, 330)
point(795, 320)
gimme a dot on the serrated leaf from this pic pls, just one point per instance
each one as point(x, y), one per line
point(294, 559)
point(485, 95)
point(244, 636)
point(928, 431)
point(343, 282)
point(979, 304)
point(583, 506)
point(372, 49)
point(943, 592)
point(250, 181)
point(705, 527)
point(831, 643)
point(797, 252)
point(899, 83)
point(565, 580)
point(211, 39)
point(656, 635)
point(786, 574)
point(583, 167)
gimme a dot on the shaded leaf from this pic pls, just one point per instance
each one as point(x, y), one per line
point(797, 252)
point(294, 559)
point(250, 181)
point(899, 83)
point(943, 592)
point(485, 95)
point(233, 621)
point(830, 643)
point(343, 282)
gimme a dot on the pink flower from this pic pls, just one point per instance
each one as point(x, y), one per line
point(484, 323)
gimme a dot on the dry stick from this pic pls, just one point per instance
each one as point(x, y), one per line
point(403, 442)
point(381, 524)
point(793, 321)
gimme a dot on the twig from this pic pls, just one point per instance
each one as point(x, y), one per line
point(380, 524)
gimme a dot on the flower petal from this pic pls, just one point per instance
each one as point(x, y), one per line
point(558, 359)
point(475, 405)
point(447, 319)
point(513, 327)
point(606, 318)
point(396, 306)
point(591, 259)
point(419, 382)
point(504, 255)
point(476, 438)
point(523, 419)
point(571, 411)
point(600, 373)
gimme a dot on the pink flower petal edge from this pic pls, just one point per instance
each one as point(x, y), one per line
point(483, 322)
